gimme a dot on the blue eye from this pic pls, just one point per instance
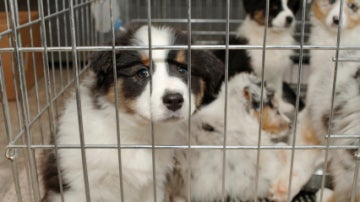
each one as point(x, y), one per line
point(182, 70)
point(143, 73)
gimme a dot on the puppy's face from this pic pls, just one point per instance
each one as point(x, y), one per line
point(160, 93)
point(327, 12)
point(281, 13)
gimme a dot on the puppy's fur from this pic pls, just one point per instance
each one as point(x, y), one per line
point(314, 120)
point(165, 101)
point(205, 165)
point(251, 32)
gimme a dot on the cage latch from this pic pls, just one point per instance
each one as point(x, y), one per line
point(11, 153)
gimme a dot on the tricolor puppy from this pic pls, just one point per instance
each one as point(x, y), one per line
point(205, 165)
point(142, 97)
point(314, 120)
point(281, 23)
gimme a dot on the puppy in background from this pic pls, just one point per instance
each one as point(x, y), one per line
point(207, 125)
point(281, 25)
point(314, 120)
point(162, 103)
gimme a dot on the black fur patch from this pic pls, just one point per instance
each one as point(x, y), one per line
point(239, 59)
point(208, 127)
point(325, 121)
point(289, 96)
point(50, 173)
point(51, 176)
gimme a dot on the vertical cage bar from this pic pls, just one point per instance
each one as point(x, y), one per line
point(48, 92)
point(264, 46)
point(35, 74)
point(78, 100)
point(12, 58)
point(25, 106)
point(59, 44)
point(151, 86)
point(302, 41)
point(24, 137)
point(67, 59)
point(356, 174)
point(330, 123)
point(9, 131)
point(118, 139)
point(189, 33)
point(226, 80)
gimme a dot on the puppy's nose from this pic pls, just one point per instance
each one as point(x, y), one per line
point(289, 19)
point(173, 101)
point(336, 20)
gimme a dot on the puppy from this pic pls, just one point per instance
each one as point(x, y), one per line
point(281, 25)
point(157, 100)
point(314, 120)
point(205, 165)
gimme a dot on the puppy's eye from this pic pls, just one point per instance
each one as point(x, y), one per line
point(143, 73)
point(353, 6)
point(182, 70)
point(332, 1)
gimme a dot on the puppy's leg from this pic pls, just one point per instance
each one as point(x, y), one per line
point(305, 162)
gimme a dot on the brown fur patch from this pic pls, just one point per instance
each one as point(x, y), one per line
point(180, 57)
point(200, 96)
point(247, 94)
point(145, 61)
point(259, 17)
point(325, 121)
point(308, 134)
point(271, 123)
point(353, 17)
point(123, 104)
point(318, 12)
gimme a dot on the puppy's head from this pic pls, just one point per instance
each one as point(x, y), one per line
point(281, 12)
point(327, 12)
point(160, 93)
point(248, 88)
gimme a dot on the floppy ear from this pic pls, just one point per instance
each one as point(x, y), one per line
point(102, 62)
point(294, 5)
point(252, 96)
point(210, 70)
point(251, 5)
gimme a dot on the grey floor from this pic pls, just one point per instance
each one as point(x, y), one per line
point(39, 132)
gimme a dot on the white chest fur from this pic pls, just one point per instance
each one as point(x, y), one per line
point(102, 163)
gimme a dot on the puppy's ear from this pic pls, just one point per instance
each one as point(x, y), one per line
point(247, 93)
point(211, 70)
point(294, 5)
point(252, 96)
point(101, 64)
point(251, 5)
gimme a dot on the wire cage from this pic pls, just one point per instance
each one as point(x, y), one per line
point(46, 46)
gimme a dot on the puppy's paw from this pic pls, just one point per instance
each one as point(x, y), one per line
point(279, 190)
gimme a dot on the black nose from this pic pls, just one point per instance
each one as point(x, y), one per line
point(289, 19)
point(173, 101)
point(336, 20)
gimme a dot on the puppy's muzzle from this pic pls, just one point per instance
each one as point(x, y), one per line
point(173, 101)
